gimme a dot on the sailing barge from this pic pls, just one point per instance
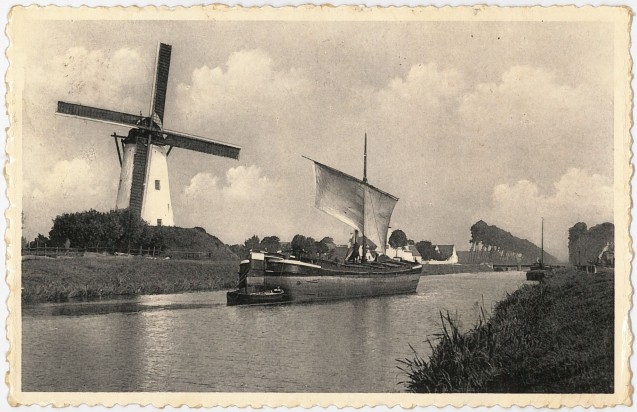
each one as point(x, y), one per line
point(277, 278)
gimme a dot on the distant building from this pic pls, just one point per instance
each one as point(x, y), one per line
point(415, 253)
point(446, 254)
point(408, 253)
point(607, 255)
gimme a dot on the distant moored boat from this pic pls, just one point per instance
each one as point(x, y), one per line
point(539, 271)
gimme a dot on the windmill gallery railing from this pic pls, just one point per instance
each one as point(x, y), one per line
point(152, 252)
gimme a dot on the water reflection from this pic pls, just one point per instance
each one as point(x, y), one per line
point(193, 342)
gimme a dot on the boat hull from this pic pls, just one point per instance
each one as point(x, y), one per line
point(237, 297)
point(303, 281)
point(344, 286)
point(538, 275)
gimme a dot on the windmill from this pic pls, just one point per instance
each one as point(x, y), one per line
point(143, 183)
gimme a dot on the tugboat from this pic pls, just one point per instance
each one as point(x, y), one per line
point(237, 297)
point(251, 292)
point(539, 271)
point(362, 207)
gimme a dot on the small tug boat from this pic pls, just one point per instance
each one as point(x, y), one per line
point(238, 297)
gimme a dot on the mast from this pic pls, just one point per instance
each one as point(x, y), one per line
point(364, 257)
point(365, 161)
point(542, 258)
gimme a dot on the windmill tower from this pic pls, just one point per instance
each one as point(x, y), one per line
point(143, 182)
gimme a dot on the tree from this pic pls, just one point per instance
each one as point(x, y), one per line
point(322, 248)
point(576, 231)
point(426, 249)
point(585, 245)
point(310, 247)
point(271, 243)
point(398, 239)
point(298, 245)
point(252, 243)
point(239, 250)
point(121, 229)
point(328, 241)
point(40, 241)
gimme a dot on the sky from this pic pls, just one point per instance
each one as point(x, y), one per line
point(504, 122)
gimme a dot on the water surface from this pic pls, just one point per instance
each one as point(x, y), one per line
point(193, 342)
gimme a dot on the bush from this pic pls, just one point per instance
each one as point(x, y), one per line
point(116, 229)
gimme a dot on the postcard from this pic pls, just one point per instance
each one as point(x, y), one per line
point(300, 206)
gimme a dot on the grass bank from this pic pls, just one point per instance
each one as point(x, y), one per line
point(448, 269)
point(555, 337)
point(50, 280)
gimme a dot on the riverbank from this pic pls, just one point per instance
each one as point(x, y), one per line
point(554, 337)
point(60, 279)
point(458, 268)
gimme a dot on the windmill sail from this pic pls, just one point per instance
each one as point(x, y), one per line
point(354, 202)
point(158, 101)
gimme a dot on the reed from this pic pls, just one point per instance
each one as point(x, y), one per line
point(555, 337)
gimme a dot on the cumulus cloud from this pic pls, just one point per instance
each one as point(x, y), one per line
point(577, 196)
point(70, 186)
point(244, 202)
point(249, 91)
point(118, 80)
point(529, 122)
point(425, 88)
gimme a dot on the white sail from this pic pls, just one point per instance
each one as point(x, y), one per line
point(354, 203)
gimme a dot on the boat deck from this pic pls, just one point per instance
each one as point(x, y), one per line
point(367, 267)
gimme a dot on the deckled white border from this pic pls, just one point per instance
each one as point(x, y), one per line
point(173, 3)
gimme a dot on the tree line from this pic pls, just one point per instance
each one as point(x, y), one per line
point(586, 245)
point(307, 247)
point(301, 246)
point(494, 242)
point(118, 229)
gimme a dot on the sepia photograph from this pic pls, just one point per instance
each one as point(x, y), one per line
point(227, 202)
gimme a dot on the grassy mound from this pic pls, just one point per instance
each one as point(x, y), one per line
point(555, 337)
point(179, 241)
point(85, 277)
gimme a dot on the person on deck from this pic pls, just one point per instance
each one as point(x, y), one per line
point(354, 255)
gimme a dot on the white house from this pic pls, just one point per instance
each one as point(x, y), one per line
point(408, 253)
point(446, 252)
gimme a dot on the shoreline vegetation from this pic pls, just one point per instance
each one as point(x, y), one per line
point(552, 337)
point(100, 275)
point(60, 279)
